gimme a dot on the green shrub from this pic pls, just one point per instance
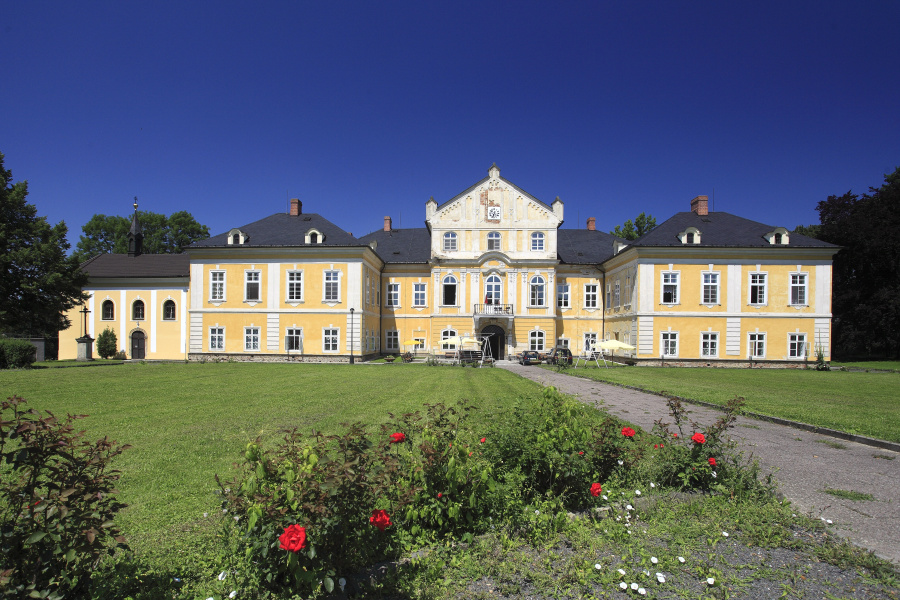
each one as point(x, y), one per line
point(16, 354)
point(107, 343)
point(57, 503)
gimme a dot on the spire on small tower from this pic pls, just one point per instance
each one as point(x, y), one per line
point(135, 235)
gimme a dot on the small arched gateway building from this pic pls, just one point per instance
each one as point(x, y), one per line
point(703, 288)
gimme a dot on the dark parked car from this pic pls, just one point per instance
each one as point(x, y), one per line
point(529, 357)
point(560, 355)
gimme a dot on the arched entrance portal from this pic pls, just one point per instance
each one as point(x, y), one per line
point(497, 340)
point(137, 345)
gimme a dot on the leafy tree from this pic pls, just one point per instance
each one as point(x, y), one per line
point(632, 230)
point(866, 271)
point(813, 231)
point(162, 235)
point(107, 344)
point(39, 283)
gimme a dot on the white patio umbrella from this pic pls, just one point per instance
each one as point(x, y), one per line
point(615, 345)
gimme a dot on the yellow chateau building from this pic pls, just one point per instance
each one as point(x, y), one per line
point(702, 288)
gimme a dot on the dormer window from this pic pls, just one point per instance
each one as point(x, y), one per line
point(690, 238)
point(691, 235)
point(314, 236)
point(236, 237)
point(778, 237)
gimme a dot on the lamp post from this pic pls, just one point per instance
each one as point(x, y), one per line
point(351, 336)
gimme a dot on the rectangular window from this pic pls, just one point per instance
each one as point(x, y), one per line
point(709, 344)
point(295, 286)
point(670, 288)
point(537, 292)
point(368, 289)
point(798, 289)
point(757, 288)
point(392, 340)
point(449, 292)
point(628, 291)
point(216, 338)
point(420, 343)
point(446, 335)
point(330, 340)
point(217, 286)
point(590, 295)
point(251, 339)
point(418, 294)
point(710, 288)
point(536, 341)
point(669, 343)
point(562, 343)
point(332, 286)
point(608, 296)
point(562, 295)
point(757, 345)
point(590, 342)
point(616, 295)
point(251, 287)
point(293, 340)
point(797, 345)
point(393, 295)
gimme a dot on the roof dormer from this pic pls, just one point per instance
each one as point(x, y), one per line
point(691, 235)
point(236, 237)
point(778, 237)
point(314, 236)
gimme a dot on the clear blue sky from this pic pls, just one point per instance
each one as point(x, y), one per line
point(366, 109)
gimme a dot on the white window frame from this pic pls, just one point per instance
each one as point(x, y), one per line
point(709, 344)
point(291, 288)
point(450, 242)
point(331, 336)
point(496, 282)
point(392, 340)
point(103, 305)
point(590, 342)
point(563, 295)
point(628, 291)
point(800, 283)
point(668, 339)
point(710, 282)
point(590, 295)
point(617, 294)
point(670, 279)
point(795, 351)
point(764, 286)
point(134, 306)
point(536, 340)
point(252, 276)
point(537, 290)
point(217, 283)
point(174, 316)
point(608, 302)
point(420, 343)
point(420, 295)
point(216, 340)
point(291, 333)
point(251, 340)
point(537, 241)
point(493, 241)
point(455, 284)
point(393, 295)
point(755, 339)
point(445, 335)
point(335, 285)
point(562, 342)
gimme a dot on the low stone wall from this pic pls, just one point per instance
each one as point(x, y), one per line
point(724, 364)
point(276, 358)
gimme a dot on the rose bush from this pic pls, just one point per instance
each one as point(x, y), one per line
point(293, 539)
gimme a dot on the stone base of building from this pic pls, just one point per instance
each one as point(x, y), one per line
point(277, 358)
point(724, 364)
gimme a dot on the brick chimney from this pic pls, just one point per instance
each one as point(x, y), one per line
point(296, 207)
point(387, 223)
point(700, 205)
point(592, 224)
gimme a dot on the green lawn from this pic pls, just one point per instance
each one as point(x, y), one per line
point(860, 403)
point(887, 365)
point(187, 422)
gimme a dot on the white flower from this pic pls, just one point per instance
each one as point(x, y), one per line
point(237, 518)
point(623, 585)
point(629, 507)
point(646, 573)
point(681, 559)
point(621, 571)
point(653, 485)
point(597, 566)
point(604, 497)
point(618, 518)
point(222, 575)
point(637, 492)
point(711, 580)
point(725, 533)
point(660, 578)
point(621, 462)
point(828, 521)
point(537, 512)
point(793, 515)
point(232, 594)
point(642, 591)
point(654, 560)
point(714, 474)
point(224, 510)
point(634, 586)
point(205, 515)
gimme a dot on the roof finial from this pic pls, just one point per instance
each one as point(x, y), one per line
point(135, 204)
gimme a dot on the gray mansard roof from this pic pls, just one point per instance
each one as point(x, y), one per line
point(401, 245)
point(143, 265)
point(585, 246)
point(282, 229)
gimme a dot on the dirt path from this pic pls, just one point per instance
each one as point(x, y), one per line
point(804, 462)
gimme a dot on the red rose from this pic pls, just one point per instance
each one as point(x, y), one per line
point(380, 519)
point(698, 438)
point(440, 494)
point(656, 445)
point(675, 435)
point(628, 432)
point(396, 438)
point(293, 539)
point(662, 445)
point(712, 461)
point(596, 489)
point(582, 452)
point(483, 440)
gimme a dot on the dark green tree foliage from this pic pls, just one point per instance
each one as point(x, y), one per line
point(107, 343)
point(813, 231)
point(38, 281)
point(866, 272)
point(162, 235)
point(632, 230)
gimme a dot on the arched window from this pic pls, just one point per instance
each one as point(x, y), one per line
point(137, 310)
point(109, 310)
point(538, 291)
point(314, 238)
point(445, 335)
point(449, 242)
point(537, 241)
point(492, 290)
point(449, 295)
point(236, 239)
point(690, 237)
point(777, 238)
point(493, 240)
point(169, 310)
point(536, 341)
